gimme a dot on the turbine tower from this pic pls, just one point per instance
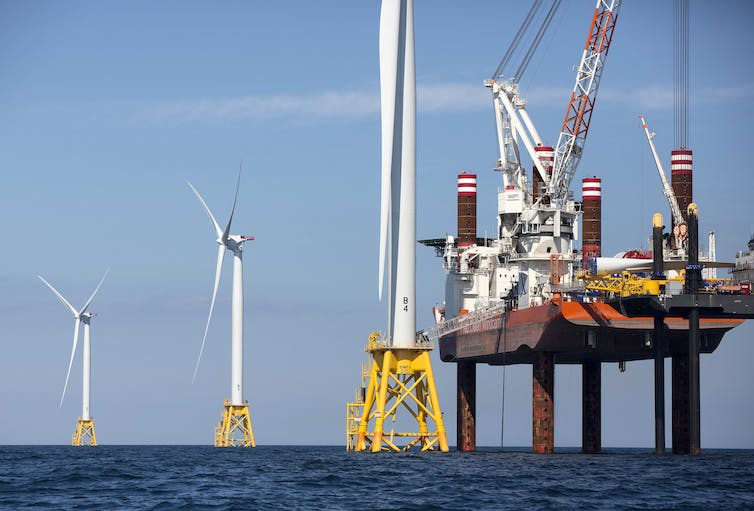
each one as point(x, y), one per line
point(401, 374)
point(84, 434)
point(234, 429)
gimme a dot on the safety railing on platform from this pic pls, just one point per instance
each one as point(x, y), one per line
point(459, 322)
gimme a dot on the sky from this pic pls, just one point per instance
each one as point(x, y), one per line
point(107, 108)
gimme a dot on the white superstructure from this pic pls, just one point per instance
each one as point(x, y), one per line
point(532, 256)
point(744, 265)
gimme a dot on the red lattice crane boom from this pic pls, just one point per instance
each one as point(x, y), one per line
point(579, 113)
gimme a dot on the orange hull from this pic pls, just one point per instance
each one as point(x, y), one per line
point(563, 328)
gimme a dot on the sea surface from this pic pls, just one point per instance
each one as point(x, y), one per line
point(269, 477)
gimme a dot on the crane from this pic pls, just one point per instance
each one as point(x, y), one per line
point(666, 188)
point(512, 121)
point(579, 112)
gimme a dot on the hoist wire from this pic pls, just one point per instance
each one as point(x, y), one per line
point(681, 72)
point(502, 404)
point(540, 33)
point(517, 39)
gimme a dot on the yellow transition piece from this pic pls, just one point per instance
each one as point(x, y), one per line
point(234, 429)
point(84, 434)
point(399, 379)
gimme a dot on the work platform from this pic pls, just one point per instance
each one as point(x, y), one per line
point(624, 329)
point(616, 331)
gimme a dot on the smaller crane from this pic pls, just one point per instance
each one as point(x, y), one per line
point(680, 229)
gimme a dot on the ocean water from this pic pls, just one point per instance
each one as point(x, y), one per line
point(268, 477)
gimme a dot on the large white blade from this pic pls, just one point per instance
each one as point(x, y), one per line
point(89, 301)
point(220, 254)
point(226, 232)
point(218, 231)
point(389, 35)
point(62, 299)
point(70, 362)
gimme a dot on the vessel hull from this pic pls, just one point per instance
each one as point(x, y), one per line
point(575, 332)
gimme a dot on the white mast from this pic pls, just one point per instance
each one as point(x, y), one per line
point(87, 370)
point(398, 198)
point(236, 376)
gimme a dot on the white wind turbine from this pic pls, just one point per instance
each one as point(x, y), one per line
point(401, 366)
point(398, 195)
point(82, 316)
point(233, 243)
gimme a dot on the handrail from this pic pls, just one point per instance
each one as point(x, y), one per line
point(458, 322)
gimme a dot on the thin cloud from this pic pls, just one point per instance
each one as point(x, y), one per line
point(440, 98)
point(328, 104)
point(660, 97)
point(452, 97)
point(434, 98)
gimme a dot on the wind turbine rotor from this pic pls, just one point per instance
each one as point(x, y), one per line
point(225, 241)
point(70, 362)
point(61, 297)
point(218, 231)
point(218, 271)
point(96, 290)
point(389, 41)
point(78, 315)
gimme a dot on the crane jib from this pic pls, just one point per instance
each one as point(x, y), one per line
point(581, 105)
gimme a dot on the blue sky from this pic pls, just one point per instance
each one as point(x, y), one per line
point(108, 107)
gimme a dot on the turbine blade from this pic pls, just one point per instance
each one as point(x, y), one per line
point(70, 362)
point(89, 301)
point(62, 299)
point(226, 232)
point(220, 254)
point(218, 231)
point(389, 35)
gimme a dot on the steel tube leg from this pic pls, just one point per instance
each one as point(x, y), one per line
point(591, 417)
point(543, 406)
point(681, 440)
point(466, 406)
point(695, 448)
point(659, 345)
point(387, 361)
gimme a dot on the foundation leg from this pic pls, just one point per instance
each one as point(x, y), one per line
point(591, 417)
point(681, 433)
point(659, 345)
point(543, 406)
point(695, 448)
point(466, 406)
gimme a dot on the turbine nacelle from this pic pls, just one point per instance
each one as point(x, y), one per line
point(234, 242)
point(86, 316)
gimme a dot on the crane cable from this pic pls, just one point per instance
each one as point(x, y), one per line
point(681, 71)
point(517, 39)
point(542, 29)
point(505, 351)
